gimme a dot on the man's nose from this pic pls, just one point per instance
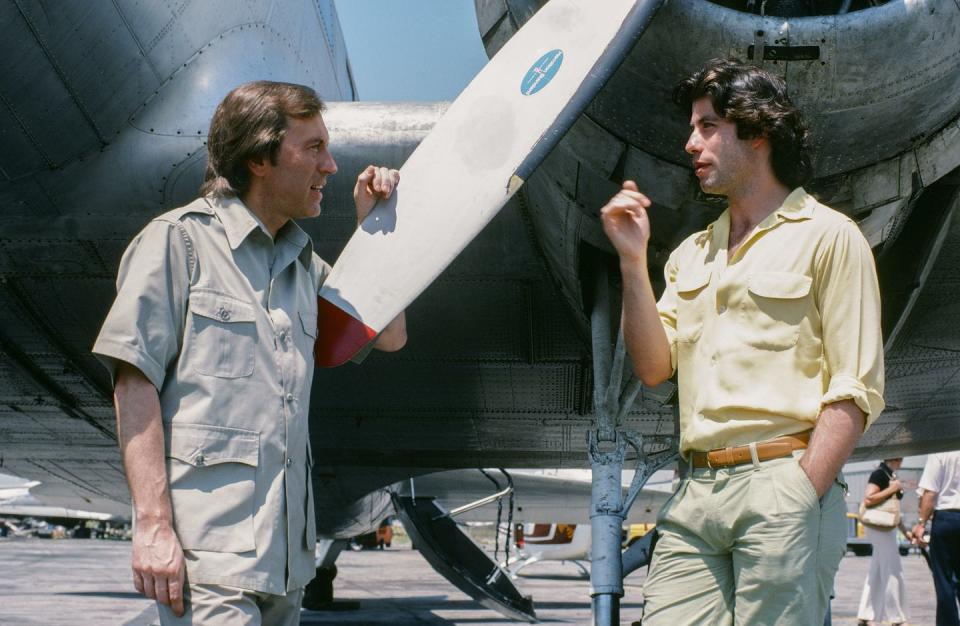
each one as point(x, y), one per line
point(328, 166)
point(693, 143)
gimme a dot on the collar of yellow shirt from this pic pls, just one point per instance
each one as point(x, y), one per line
point(796, 207)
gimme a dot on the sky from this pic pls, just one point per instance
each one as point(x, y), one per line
point(411, 50)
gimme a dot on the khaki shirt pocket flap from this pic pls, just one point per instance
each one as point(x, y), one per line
point(308, 319)
point(688, 283)
point(202, 445)
point(784, 285)
point(220, 307)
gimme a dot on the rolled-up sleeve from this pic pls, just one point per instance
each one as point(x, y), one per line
point(849, 302)
point(145, 324)
point(667, 307)
point(933, 474)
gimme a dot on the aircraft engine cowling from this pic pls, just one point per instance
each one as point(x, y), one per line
point(855, 75)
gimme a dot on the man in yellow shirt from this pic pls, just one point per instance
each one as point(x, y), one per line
point(771, 319)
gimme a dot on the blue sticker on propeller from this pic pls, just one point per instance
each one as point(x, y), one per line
point(542, 72)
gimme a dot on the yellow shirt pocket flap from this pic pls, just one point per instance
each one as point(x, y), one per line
point(690, 283)
point(782, 285)
point(202, 444)
point(220, 307)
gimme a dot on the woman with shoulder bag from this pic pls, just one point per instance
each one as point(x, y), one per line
point(884, 593)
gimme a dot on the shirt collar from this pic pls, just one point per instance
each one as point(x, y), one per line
point(796, 207)
point(291, 233)
point(239, 221)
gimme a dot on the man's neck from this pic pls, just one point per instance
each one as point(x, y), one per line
point(258, 206)
point(750, 206)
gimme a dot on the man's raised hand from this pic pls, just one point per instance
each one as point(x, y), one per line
point(373, 183)
point(626, 224)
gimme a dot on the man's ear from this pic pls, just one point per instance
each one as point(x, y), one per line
point(257, 167)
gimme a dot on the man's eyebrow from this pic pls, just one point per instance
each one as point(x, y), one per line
point(706, 118)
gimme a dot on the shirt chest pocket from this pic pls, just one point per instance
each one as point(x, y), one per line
point(308, 322)
point(223, 335)
point(692, 305)
point(212, 472)
point(776, 305)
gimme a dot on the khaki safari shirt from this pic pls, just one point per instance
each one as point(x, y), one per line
point(222, 319)
point(762, 341)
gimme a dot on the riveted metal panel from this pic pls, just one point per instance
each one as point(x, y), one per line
point(941, 154)
point(97, 57)
point(664, 183)
point(33, 94)
point(876, 185)
point(22, 151)
point(489, 13)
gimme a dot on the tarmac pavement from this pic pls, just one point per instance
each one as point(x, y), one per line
point(78, 582)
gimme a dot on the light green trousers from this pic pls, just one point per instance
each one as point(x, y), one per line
point(747, 545)
point(219, 605)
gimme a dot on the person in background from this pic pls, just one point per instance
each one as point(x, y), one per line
point(940, 500)
point(884, 591)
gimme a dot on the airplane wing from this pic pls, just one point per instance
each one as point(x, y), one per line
point(554, 496)
point(28, 498)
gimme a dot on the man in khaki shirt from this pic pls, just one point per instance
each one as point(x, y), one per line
point(210, 344)
point(771, 319)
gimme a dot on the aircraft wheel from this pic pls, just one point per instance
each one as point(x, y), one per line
point(318, 594)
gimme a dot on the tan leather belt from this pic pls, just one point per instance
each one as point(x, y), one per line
point(738, 455)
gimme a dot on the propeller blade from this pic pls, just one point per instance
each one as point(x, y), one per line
point(480, 152)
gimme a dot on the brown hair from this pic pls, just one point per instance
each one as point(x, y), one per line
point(248, 125)
point(757, 102)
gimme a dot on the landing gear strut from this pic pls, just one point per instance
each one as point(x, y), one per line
point(612, 400)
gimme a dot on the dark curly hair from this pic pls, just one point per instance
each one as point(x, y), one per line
point(249, 125)
point(757, 102)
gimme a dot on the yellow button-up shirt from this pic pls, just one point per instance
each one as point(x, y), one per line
point(761, 342)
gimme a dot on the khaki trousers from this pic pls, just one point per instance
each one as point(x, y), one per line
point(749, 545)
point(219, 605)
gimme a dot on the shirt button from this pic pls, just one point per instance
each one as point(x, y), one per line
point(289, 461)
point(224, 314)
point(289, 397)
point(722, 309)
point(199, 460)
point(283, 336)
